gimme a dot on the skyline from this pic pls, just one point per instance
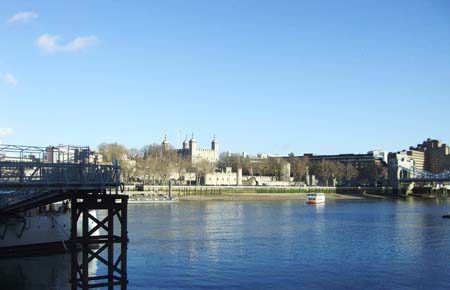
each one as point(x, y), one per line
point(263, 76)
point(4, 132)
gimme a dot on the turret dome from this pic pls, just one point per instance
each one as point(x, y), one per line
point(192, 139)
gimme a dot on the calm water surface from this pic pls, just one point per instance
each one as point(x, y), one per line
point(278, 245)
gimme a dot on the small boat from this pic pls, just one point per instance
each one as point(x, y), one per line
point(141, 200)
point(43, 229)
point(315, 198)
point(446, 216)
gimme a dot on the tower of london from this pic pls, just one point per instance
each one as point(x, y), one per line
point(192, 153)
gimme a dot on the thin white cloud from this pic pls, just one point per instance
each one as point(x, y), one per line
point(81, 43)
point(52, 43)
point(23, 17)
point(47, 42)
point(9, 79)
point(5, 132)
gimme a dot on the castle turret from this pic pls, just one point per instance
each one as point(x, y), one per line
point(286, 172)
point(239, 177)
point(165, 144)
point(192, 145)
point(214, 145)
point(186, 144)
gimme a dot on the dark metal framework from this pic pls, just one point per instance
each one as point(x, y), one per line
point(26, 185)
point(116, 209)
point(35, 176)
point(50, 154)
point(21, 152)
point(55, 174)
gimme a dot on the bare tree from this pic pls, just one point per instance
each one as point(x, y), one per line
point(350, 172)
point(372, 173)
point(201, 169)
point(114, 151)
point(327, 170)
point(299, 167)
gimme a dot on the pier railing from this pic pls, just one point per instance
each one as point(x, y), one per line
point(26, 184)
point(34, 176)
point(31, 174)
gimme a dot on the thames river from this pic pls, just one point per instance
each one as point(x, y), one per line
point(271, 245)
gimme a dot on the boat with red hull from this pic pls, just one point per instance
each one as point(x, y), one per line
point(315, 198)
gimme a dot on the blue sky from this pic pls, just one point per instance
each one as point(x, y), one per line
point(264, 76)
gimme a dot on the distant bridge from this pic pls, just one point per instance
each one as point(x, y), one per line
point(417, 175)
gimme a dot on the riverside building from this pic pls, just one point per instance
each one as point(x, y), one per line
point(359, 161)
point(432, 155)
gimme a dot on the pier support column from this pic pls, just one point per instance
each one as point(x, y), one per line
point(98, 213)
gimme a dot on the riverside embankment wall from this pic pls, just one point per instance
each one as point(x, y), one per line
point(218, 190)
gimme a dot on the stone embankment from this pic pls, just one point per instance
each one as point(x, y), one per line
point(261, 193)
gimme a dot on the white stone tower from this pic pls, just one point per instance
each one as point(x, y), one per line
point(239, 177)
point(165, 144)
point(192, 146)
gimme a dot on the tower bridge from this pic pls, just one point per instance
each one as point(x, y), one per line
point(427, 163)
point(416, 175)
point(32, 176)
point(409, 179)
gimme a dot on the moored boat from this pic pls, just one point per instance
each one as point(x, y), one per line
point(151, 197)
point(44, 229)
point(140, 200)
point(315, 198)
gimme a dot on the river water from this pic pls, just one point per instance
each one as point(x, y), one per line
point(271, 244)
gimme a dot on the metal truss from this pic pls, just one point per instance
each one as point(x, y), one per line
point(34, 176)
point(24, 183)
point(93, 245)
point(51, 154)
point(414, 174)
point(55, 174)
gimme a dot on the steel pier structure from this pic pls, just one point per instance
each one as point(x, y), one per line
point(33, 176)
point(115, 207)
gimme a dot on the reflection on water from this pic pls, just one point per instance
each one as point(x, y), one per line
point(289, 245)
point(38, 272)
point(217, 232)
point(48, 272)
point(320, 207)
point(279, 245)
